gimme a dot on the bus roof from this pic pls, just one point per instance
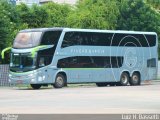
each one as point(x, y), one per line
point(109, 31)
point(86, 30)
point(41, 29)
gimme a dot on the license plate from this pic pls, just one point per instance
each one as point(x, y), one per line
point(19, 82)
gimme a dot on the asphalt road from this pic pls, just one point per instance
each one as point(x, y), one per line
point(82, 99)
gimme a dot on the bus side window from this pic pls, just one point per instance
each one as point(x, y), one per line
point(151, 62)
point(50, 37)
point(72, 39)
point(68, 39)
point(41, 62)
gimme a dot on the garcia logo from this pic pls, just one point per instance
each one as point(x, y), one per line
point(130, 57)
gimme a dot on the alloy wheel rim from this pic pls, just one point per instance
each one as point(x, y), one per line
point(124, 79)
point(135, 78)
point(59, 81)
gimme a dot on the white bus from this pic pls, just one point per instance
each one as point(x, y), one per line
point(59, 56)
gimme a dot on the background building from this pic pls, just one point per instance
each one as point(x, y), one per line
point(28, 2)
point(13, 1)
point(72, 2)
point(39, 2)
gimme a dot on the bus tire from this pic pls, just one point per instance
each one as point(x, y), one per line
point(124, 79)
point(59, 81)
point(101, 84)
point(36, 86)
point(135, 79)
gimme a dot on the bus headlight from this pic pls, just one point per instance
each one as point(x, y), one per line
point(10, 75)
point(32, 80)
point(30, 75)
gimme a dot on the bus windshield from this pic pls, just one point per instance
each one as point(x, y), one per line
point(22, 62)
point(27, 39)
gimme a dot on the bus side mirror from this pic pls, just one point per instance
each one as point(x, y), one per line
point(4, 50)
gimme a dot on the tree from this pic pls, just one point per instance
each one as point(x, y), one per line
point(34, 17)
point(4, 26)
point(154, 3)
point(57, 14)
point(139, 16)
point(97, 14)
point(136, 15)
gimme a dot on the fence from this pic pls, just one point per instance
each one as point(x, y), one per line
point(4, 71)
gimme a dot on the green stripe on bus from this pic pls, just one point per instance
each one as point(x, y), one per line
point(16, 73)
point(34, 50)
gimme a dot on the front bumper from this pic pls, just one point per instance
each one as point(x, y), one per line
point(22, 78)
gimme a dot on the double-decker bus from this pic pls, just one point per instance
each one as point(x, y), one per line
point(59, 56)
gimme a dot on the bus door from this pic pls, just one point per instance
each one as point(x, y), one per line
point(43, 71)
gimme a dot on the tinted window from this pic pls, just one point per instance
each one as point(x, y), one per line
point(71, 39)
point(87, 38)
point(90, 62)
point(108, 39)
point(45, 56)
point(101, 39)
point(151, 39)
point(151, 62)
point(138, 40)
point(126, 40)
point(50, 37)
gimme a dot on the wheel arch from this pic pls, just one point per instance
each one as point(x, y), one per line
point(126, 71)
point(124, 78)
point(64, 74)
point(138, 72)
point(139, 81)
point(120, 73)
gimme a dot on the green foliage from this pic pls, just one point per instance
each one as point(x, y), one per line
point(154, 3)
point(57, 14)
point(97, 14)
point(34, 17)
point(4, 25)
point(138, 15)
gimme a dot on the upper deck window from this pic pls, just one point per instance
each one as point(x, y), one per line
point(50, 37)
point(27, 39)
point(108, 39)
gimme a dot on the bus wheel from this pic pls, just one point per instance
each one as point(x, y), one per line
point(101, 84)
point(124, 80)
point(59, 81)
point(135, 79)
point(36, 86)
